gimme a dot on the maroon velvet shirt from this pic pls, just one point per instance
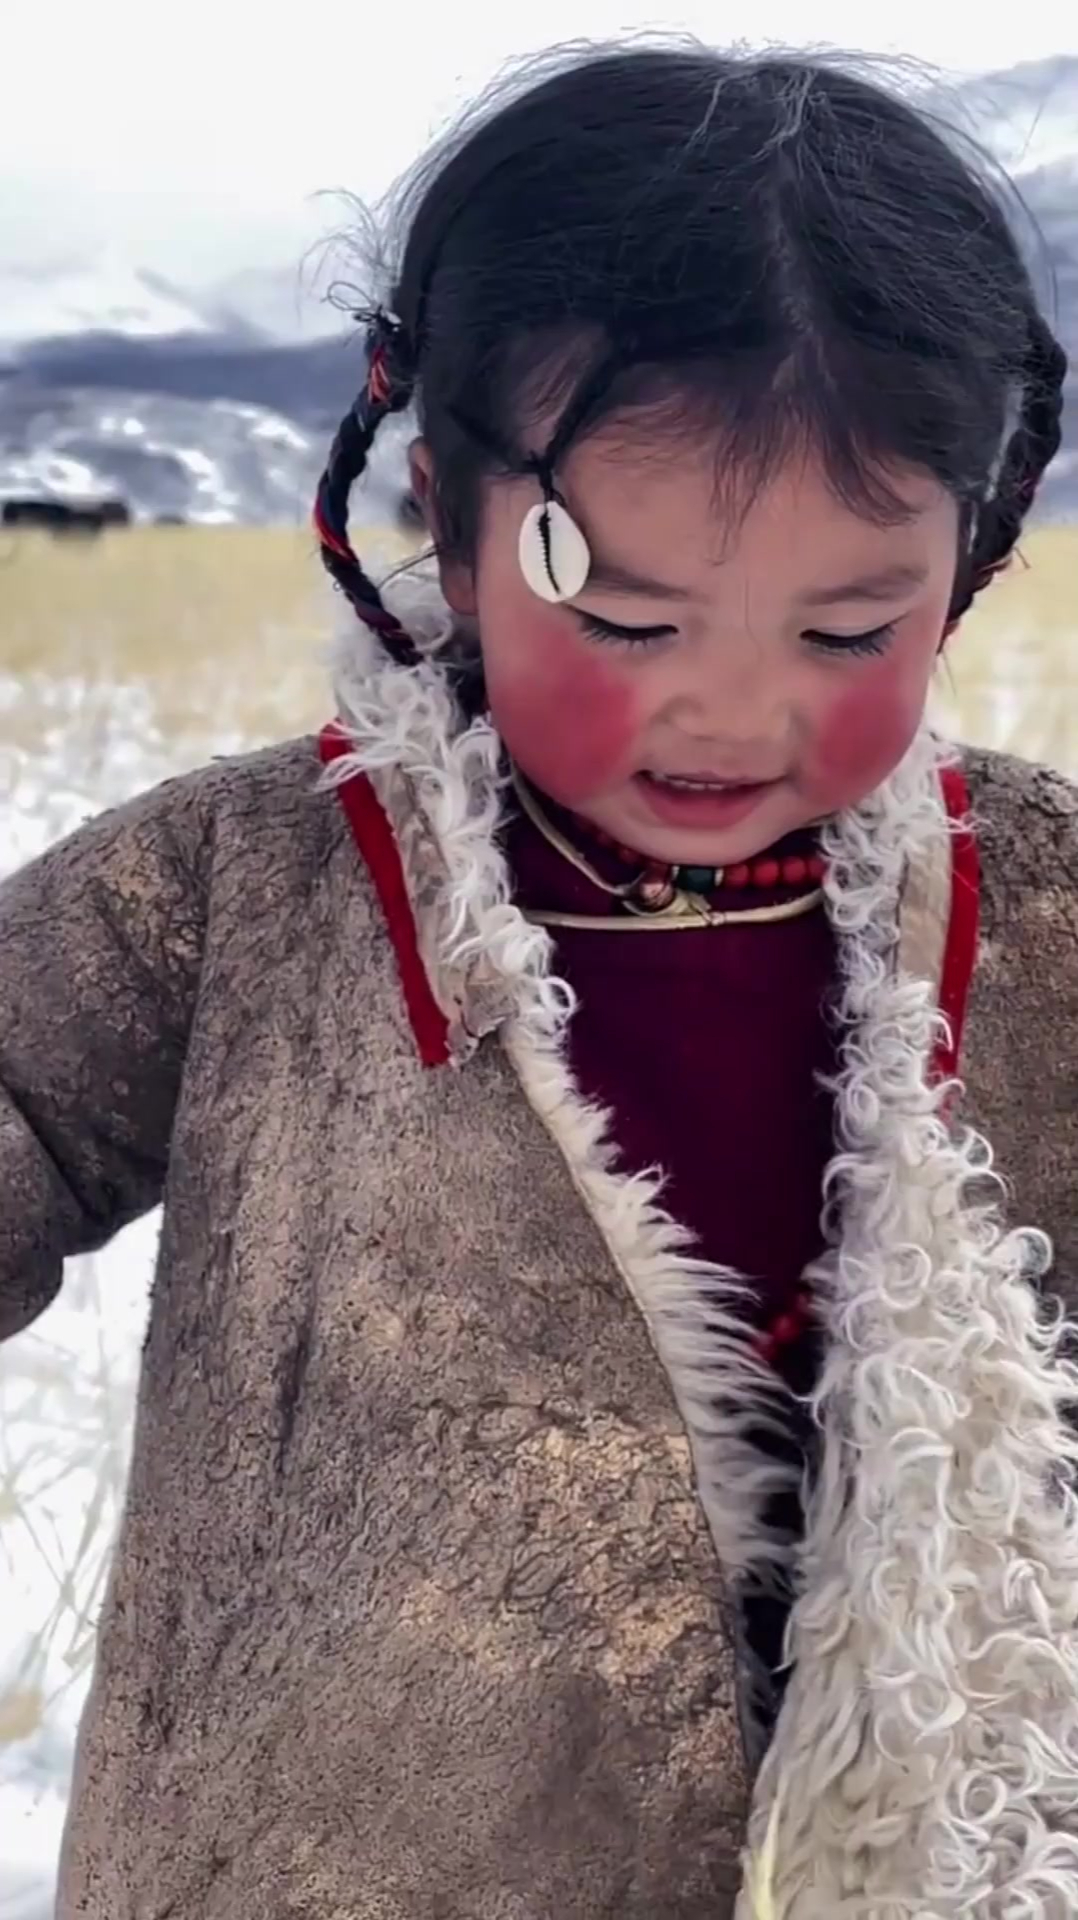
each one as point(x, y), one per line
point(709, 1048)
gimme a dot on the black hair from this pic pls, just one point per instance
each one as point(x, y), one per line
point(772, 251)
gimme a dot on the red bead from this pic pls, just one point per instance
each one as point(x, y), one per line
point(767, 873)
point(786, 1329)
point(739, 876)
point(816, 867)
point(794, 870)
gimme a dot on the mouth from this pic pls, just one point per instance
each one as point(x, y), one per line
point(701, 782)
point(704, 800)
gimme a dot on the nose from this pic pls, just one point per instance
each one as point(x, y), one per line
point(733, 694)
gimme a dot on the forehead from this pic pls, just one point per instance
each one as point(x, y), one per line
point(676, 516)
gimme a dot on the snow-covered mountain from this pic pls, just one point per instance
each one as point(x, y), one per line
point(73, 297)
point(207, 428)
point(206, 462)
point(219, 405)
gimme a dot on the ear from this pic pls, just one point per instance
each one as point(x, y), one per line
point(457, 579)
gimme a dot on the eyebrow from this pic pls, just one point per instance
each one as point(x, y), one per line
point(611, 577)
point(883, 585)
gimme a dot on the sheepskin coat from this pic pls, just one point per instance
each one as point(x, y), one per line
point(447, 1476)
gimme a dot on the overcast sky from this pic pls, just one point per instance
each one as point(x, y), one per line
point(192, 136)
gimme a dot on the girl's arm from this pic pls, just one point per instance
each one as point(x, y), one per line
point(100, 945)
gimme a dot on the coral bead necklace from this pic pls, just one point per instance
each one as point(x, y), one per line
point(659, 895)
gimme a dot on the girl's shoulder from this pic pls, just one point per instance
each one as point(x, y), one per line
point(1009, 779)
point(268, 801)
point(244, 828)
point(260, 786)
point(1025, 824)
point(1025, 818)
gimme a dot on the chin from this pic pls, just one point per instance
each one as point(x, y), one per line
point(703, 850)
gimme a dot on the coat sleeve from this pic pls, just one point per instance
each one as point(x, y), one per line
point(100, 947)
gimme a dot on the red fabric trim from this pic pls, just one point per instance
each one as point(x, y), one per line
point(960, 953)
point(377, 846)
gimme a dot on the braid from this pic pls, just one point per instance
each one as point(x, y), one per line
point(388, 389)
point(1034, 443)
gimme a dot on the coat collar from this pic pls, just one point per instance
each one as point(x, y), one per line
point(926, 1756)
point(440, 783)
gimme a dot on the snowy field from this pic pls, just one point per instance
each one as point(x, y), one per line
point(120, 665)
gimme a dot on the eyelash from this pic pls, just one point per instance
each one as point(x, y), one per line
point(875, 641)
point(633, 636)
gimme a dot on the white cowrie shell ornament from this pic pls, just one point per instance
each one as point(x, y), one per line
point(554, 557)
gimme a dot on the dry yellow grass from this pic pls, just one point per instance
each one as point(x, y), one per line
point(1011, 673)
point(225, 629)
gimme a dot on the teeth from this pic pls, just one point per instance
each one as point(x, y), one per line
point(694, 786)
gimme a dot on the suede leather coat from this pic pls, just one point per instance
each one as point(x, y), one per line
point(446, 1477)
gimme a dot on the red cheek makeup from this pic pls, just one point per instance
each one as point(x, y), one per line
point(568, 718)
point(865, 732)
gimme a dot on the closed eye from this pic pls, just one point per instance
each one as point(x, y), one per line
point(599, 629)
point(875, 640)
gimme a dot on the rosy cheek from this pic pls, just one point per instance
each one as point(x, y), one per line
point(568, 717)
point(865, 730)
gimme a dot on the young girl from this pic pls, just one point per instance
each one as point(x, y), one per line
point(556, 1097)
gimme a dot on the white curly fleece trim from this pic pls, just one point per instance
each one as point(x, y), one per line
point(407, 737)
point(925, 1765)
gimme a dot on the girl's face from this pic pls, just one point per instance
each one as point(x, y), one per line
point(716, 684)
